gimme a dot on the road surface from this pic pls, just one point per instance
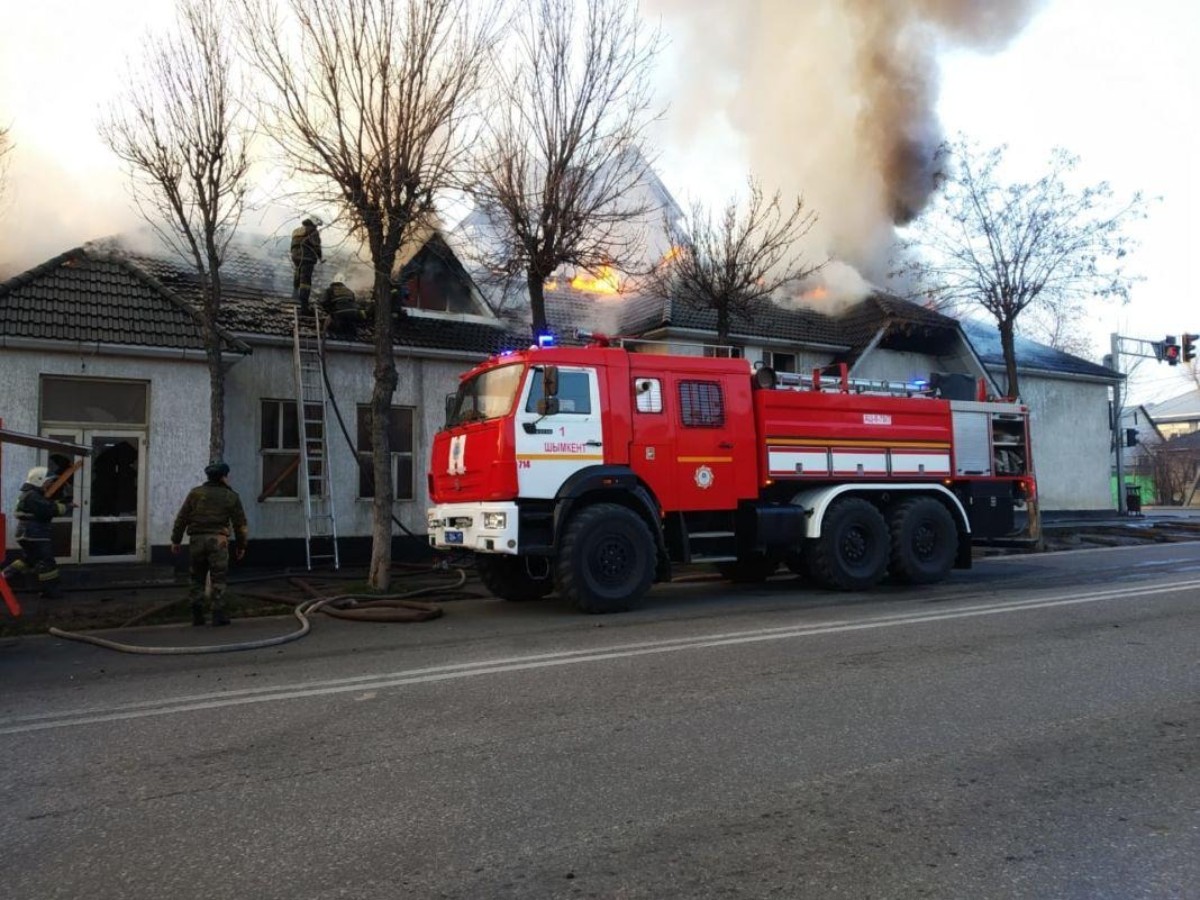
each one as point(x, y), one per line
point(1028, 729)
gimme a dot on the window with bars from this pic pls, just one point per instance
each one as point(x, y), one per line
point(400, 437)
point(701, 404)
point(279, 449)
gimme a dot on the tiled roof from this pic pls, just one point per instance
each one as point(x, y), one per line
point(88, 296)
point(257, 301)
point(985, 339)
point(766, 322)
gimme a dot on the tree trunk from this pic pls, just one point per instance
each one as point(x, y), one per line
point(380, 574)
point(1007, 344)
point(210, 298)
point(537, 304)
point(216, 400)
point(722, 322)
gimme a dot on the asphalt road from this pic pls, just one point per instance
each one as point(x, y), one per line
point(1029, 729)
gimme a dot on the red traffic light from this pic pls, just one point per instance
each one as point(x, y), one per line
point(1171, 354)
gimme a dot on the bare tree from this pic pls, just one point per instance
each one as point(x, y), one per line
point(560, 166)
point(371, 101)
point(179, 128)
point(1010, 246)
point(730, 264)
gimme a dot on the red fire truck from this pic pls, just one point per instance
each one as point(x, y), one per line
point(591, 470)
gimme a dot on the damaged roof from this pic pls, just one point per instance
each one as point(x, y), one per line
point(87, 296)
point(100, 294)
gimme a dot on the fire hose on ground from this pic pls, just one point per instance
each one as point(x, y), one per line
point(354, 606)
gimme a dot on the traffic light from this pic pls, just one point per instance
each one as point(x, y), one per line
point(1189, 347)
point(1170, 350)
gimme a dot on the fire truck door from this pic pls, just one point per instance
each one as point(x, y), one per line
point(714, 446)
point(552, 448)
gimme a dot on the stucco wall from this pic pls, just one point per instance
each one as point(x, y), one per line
point(267, 374)
point(178, 428)
point(1071, 441)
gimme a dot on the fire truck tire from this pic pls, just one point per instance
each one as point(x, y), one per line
point(852, 552)
point(749, 571)
point(508, 578)
point(924, 541)
point(606, 560)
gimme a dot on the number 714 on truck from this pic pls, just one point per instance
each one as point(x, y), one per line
point(592, 471)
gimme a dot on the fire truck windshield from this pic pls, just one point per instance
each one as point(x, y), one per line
point(489, 395)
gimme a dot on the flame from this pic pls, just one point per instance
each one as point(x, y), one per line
point(551, 285)
point(670, 255)
point(606, 281)
point(820, 292)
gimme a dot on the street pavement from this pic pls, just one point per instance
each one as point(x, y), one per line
point(1027, 729)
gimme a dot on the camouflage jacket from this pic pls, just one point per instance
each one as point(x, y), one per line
point(34, 512)
point(210, 509)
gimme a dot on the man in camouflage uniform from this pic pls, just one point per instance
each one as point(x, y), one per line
point(306, 253)
point(211, 514)
point(35, 512)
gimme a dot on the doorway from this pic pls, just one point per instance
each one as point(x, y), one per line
point(106, 524)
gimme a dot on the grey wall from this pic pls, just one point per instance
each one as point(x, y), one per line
point(178, 429)
point(1071, 441)
point(267, 374)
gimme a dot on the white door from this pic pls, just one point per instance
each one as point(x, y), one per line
point(112, 525)
point(552, 448)
point(65, 530)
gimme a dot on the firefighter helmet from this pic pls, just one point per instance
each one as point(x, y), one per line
point(38, 476)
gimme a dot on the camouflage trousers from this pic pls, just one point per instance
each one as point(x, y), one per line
point(209, 557)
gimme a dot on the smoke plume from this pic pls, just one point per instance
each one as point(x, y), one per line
point(832, 99)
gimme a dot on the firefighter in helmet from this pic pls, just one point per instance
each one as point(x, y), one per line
point(35, 512)
point(343, 308)
point(212, 515)
point(306, 253)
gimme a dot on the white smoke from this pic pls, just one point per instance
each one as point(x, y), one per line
point(832, 99)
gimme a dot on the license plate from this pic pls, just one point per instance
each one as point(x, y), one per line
point(454, 537)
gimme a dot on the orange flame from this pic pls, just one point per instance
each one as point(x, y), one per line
point(820, 292)
point(606, 281)
point(670, 255)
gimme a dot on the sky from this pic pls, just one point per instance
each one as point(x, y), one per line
point(1112, 81)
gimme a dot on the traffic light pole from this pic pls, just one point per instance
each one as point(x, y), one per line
point(1122, 505)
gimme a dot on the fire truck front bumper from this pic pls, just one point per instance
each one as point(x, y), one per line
point(483, 527)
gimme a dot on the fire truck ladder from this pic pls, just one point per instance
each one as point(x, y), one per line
point(320, 518)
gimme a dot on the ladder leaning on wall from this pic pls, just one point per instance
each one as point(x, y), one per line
point(320, 518)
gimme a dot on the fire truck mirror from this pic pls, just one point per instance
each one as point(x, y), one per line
point(547, 406)
point(550, 382)
point(451, 404)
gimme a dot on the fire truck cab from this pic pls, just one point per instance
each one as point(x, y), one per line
point(591, 470)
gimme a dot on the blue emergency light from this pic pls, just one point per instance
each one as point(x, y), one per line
point(545, 339)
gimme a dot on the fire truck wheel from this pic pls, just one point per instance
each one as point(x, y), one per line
point(606, 560)
point(924, 541)
point(749, 571)
point(508, 578)
point(852, 552)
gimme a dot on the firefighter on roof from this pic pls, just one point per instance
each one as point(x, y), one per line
point(35, 511)
point(343, 307)
point(211, 514)
point(306, 253)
